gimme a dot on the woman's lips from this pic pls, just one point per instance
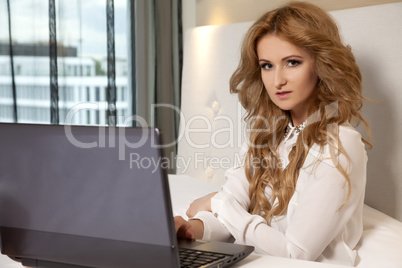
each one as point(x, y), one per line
point(283, 94)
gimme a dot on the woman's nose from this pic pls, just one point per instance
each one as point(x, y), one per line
point(279, 79)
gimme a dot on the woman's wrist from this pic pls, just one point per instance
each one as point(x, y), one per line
point(197, 228)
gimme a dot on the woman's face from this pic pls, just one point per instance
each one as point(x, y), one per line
point(288, 75)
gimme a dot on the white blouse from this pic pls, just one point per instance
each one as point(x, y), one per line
point(315, 227)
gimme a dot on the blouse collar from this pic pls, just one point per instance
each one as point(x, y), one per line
point(291, 130)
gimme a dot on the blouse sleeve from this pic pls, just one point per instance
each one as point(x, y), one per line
point(315, 214)
point(236, 185)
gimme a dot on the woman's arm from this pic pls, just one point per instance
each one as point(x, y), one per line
point(237, 185)
point(200, 204)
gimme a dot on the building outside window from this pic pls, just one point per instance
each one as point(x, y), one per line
point(81, 61)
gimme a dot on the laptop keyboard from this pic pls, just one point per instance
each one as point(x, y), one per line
point(194, 258)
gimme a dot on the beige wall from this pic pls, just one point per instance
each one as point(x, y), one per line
point(214, 12)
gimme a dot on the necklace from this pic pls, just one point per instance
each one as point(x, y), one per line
point(297, 129)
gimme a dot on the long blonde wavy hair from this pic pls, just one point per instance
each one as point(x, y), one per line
point(339, 87)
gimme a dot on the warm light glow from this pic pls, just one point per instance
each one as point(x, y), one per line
point(219, 16)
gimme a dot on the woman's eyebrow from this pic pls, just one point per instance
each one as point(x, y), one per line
point(291, 56)
point(283, 59)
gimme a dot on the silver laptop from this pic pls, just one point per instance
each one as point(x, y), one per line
point(75, 196)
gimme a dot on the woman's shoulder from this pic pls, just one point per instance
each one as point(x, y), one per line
point(347, 128)
point(345, 143)
point(350, 137)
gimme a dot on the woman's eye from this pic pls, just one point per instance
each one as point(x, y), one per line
point(266, 66)
point(293, 63)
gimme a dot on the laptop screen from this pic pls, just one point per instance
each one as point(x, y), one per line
point(86, 181)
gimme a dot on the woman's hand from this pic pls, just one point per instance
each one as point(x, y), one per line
point(192, 229)
point(200, 204)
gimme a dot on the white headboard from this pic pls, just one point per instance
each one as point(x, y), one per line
point(211, 130)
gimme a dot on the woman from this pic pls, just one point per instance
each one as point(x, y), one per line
point(300, 191)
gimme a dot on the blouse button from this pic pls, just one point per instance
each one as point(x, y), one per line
point(216, 215)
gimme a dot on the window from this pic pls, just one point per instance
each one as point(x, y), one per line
point(81, 32)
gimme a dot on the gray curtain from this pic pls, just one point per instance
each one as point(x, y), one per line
point(157, 73)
